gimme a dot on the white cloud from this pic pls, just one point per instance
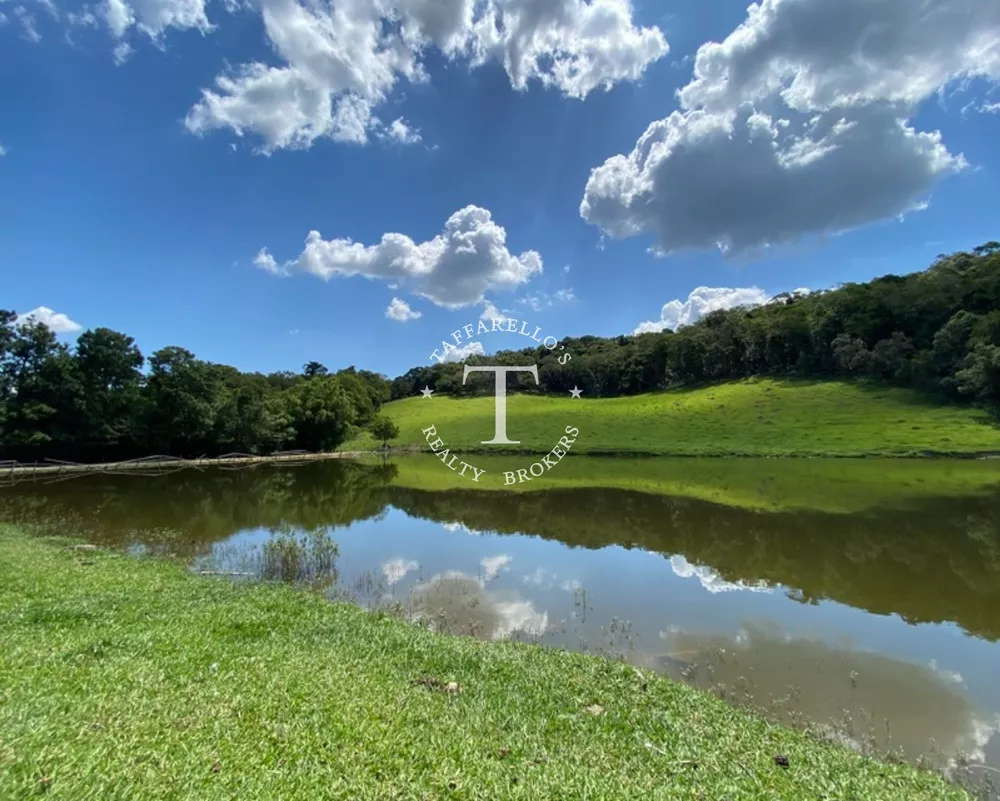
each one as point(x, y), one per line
point(3, 150)
point(493, 565)
point(990, 108)
point(356, 51)
point(490, 311)
point(463, 353)
point(453, 269)
point(457, 603)
point(700, 302)
point(817, 56)
point(399, 131)
point(537, 301)
point(797, 125)
point(154, 17)
point(85, 18)
point(58, 323)
point(266, 262)
point(396, 569)
point(400, 311)
point(121, 53)
point(282, 107)
point(711, 580)
point(461, 528)
point(742, 182)
point(50, 8)
point(29, 30)
point(949, 676)
point(540, 577)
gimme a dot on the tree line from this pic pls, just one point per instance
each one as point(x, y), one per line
point(937, 330)
point(101, 399)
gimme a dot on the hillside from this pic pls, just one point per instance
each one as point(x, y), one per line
point(759, 417)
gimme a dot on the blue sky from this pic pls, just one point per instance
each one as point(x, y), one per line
point(808, 147)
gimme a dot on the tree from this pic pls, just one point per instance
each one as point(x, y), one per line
point(109, 365)
point(320, 412)
point(980, 379)
point(889, 356)
point(358, 394)
point(183, 395)
point(850, 354)
point(43, 407)
point(314, 369)
point(384, 428)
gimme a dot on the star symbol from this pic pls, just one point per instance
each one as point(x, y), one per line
point(427, 392)
point(576, 392)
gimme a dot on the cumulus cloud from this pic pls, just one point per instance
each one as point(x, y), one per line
point(452, 270)
point(121, 53)
point(457, 603)
point(818, 56)
point(395, 570)
point(798, 124)
point(58, 323)
point(348, 56)
point(400, 131)
point(490, 312)
point(700, 302)
point(459, 355)
point(492, 566)
point(154, 17)
point(400, 311)
point(710, 580)
point(461, 528)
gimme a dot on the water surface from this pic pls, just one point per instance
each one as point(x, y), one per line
point(863, 597)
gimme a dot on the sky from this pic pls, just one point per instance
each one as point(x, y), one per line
point(268, 182)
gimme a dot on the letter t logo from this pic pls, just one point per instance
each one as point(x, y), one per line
point(500, 429)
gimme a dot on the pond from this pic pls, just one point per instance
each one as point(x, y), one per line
point(859, 597)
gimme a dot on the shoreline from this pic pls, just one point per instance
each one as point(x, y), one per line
point(158, 464)
point(265, 690)
point(630, 454)
point(150, 464)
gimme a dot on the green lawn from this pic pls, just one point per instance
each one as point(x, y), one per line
point(757, 417)
point(828, 485)
point(132, 679)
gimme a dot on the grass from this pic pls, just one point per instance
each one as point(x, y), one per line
point(774, 485)
point(123, 678)
point(759, 417)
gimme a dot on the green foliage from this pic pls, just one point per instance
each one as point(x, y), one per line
point(321, 413)
point(384, 428)
point(310, 557)
point(919, 330)
point(93, 402)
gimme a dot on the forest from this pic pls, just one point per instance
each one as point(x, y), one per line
point(101, 399)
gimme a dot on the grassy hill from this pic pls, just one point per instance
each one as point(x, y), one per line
point(759, 417)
